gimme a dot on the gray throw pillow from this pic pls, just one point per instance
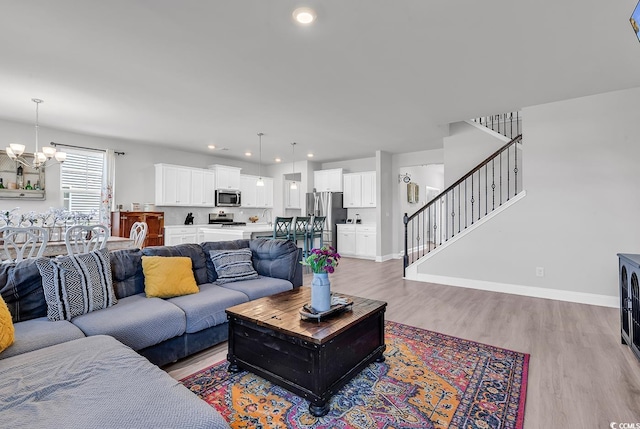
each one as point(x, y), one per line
point(75, 285)
point(233, 265)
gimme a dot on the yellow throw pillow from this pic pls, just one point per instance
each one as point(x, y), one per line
point(168, 276)
point(7, 331)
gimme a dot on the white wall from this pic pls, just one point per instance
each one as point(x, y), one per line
point(352, 165)
point(465, 148)
point(581, 162)
point(399, 162)
point(134, 171)
point(385, 199)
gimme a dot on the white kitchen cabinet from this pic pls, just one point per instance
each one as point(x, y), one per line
point(226, 177)
point(292, 199)
point(366, 241)
point(357, 240)
point(203, 189)
point(264, 194)
point(173, 185)
point(328, 180)
point(352, 196)
point(180, 235)
point(249, 190)
point(360, 189)
point(369, 189)
point(254, 195)
point(347, 240)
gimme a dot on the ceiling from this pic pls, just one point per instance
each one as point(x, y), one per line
point(367, 75)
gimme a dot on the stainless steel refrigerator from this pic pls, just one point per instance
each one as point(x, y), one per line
point(327, 204)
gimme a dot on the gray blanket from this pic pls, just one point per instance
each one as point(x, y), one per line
point(96, 382)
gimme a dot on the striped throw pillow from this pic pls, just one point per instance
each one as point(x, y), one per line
point(77, 284)
point(233, 265)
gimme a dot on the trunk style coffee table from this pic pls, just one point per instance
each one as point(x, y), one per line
point(310, 358)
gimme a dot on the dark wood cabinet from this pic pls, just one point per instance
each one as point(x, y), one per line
point(121, 223)
point(629, 272)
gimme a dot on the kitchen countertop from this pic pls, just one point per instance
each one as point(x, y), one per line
point(252, 227)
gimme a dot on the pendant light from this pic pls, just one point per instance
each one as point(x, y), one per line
point(260, 182)
point(15, 150)
point(294, 185)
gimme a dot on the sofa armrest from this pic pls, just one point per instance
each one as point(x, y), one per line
point(297, 277)
point(277, 258)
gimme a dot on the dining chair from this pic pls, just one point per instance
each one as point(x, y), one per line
point(23, 243)
point(138, 234)
point(301, 230)
point(316, 231)
point(86, 238)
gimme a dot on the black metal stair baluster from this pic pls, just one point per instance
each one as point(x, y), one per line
point(459, 210)
point(479, 195)
point(472, 199)
point(508, 175)
point(493, 184)
point(511, 125)
point(465, 204)
point(405, 258)
point(446, 218)
point(500, 185)
point(515, 169)
point(486, 190)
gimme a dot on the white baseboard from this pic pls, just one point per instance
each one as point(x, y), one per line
point(536, 292)
point(384, 258)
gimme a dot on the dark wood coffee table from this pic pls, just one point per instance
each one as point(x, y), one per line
point(309, 358)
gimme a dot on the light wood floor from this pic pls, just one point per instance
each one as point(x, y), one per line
point(580, 375)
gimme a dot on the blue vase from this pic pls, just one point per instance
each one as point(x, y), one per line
point(320, 292)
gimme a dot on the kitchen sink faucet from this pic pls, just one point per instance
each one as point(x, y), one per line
point(264, 216)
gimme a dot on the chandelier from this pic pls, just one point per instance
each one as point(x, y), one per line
point(40, 158)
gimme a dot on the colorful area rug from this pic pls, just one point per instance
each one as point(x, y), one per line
point(428, 380)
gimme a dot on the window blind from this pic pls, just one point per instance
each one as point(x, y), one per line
point(81, 180)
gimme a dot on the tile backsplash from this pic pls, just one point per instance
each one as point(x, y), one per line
point(177, 215)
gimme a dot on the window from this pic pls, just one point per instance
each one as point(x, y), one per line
point(81, 180)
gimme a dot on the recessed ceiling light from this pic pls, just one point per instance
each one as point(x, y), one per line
point(277, 160)
point(304, 15)
point(211, 146)
point(309, 155)
point(247, 153)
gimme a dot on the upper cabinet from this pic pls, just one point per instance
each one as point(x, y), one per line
point(360, 189)
point(203, 188)
point(369, 189)
point(254, 195)
point(184, 186)
point(292, 197)
point(173, 185)
point(328, 180)
point(226, 177)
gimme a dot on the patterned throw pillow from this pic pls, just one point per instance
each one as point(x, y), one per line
point(78, 284)
point(233, 265)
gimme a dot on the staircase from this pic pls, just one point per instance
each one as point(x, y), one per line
point(478, 194)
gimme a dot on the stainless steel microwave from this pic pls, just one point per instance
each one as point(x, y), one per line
point(227, 198)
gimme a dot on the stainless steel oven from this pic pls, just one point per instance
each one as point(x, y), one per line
point(227, 198)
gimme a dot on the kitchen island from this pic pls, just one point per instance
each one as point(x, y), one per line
point(235, 232)
point(180, 234)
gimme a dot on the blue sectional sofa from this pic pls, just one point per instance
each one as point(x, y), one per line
point(160, 330)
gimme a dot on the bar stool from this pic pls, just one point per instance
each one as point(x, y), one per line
point(302, 231)
point(281, 229)
point(316, 231)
